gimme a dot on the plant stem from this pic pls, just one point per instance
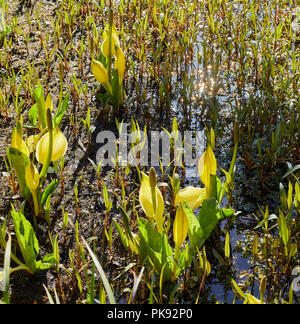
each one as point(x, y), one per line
point(19, 268)
point(110, 42)
point(36, 203)
point(50, 149)
point(15, 259)
point(233, 157)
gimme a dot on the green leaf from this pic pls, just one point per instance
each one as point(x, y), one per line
point(167, 255)
point(267, 218)
point(130, 265)
point(225, 213)
point(219, 187)
point(207, 218)
point(227, 246)
point(94, 165)
point(107, 202)
point(27, 240)
point(152, 238)
point(33, 114)
point(91, 288)
point(122, 235)
point(19, 161)
point(47, 262)
point(290, 196)
point(150, 245)
point(116, 89)
point(103, 97)
point(49, 191)
point(39, 97)
point(102, 59)
point(283, 229)
point(283, 196)
point(213, 187)
point(237, 290)
point(56, 251)
point(292, 170)
point(126, 223)
point(293, 250)
point(194, 227)
point(61, 111)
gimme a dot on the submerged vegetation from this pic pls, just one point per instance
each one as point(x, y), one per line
point(78, 229)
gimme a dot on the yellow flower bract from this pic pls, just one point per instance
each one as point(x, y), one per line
point(120, 63)
point(114, 43)
point(207, 167)
point(192, 196)
point(59, 147)
point(18, 143)
point(100, 73)
point(180, 226)
point(146, 202)
point(32, 177)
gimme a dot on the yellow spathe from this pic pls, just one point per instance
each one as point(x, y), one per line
point(32, 141)
point(114, 43)
point(120, 63)
point(59, 147)
point(146, 202)
point(100, 73)
point(32, 177)
point(48, 103)
point(18, 143)
point(192, 196)
point(180, 226)
point(207, 167)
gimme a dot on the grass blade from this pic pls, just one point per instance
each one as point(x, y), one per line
point(6, 271)
point(136, 285)
point(106, 284)
point(51, 301)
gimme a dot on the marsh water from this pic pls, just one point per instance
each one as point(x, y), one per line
point(213, 87)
